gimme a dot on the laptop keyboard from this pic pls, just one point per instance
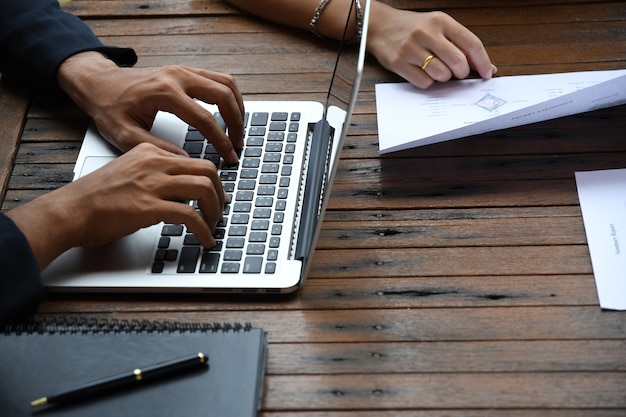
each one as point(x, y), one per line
point(252, 233)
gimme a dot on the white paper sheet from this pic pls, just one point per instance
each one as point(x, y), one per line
point(602, 196)
point(410, 117)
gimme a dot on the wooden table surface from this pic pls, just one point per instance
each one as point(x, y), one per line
point(449, 280)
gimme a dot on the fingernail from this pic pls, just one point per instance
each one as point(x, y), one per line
point(233, 156)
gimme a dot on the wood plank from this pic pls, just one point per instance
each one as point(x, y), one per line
point(13, 107)
point(403, 325)
point(593, 390)
point(453, 233)
point(448, 357)
point(359, 293)
point(451, 413)
point(131, 25)
point(458, 261)
point(147, 8)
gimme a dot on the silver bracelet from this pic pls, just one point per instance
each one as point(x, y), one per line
point(359, 20)
point(359, 23)
point(316, 16)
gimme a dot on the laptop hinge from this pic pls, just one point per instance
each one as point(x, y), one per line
point(317, 175)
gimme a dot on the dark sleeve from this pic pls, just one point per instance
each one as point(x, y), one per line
point(36, 36)
point(21, 287)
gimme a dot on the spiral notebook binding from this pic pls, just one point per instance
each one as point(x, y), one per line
point(60, 325)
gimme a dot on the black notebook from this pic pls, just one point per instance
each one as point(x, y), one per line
point(42, 358)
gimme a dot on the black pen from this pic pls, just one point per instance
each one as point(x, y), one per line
point(158, 370)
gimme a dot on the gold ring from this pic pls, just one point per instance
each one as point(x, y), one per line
point(427, 61)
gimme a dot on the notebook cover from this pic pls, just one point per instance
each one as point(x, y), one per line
point(43, 359)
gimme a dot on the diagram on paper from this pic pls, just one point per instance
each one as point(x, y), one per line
point(490, 102)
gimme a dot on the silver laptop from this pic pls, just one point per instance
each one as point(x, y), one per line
point(278, 194)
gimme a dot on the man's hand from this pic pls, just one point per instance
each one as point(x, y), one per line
point(140, 188)
point(124, 101)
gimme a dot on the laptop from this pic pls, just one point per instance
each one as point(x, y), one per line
point(277, 197)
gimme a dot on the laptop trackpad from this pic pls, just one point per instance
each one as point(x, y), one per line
point(126, 257)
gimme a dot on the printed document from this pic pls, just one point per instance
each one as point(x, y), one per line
point(410, 117)
point(602, 196)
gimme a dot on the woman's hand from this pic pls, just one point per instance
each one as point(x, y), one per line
point(403, 40)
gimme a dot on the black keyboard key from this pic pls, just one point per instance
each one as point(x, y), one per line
point(266, 190)
point(280, 116)
point(240, 218)
point(255, 141)
point(249, 173)
point(272, 157)
point(230, 268)
point(235, 242)
point(188, 259)
point(276, 136)
point(215, 158)
point(157, 267)
point(237, 230)
point(252, 265)
point(258, 237)
point(242, 207)
point(233, 166)
point(193, 148)
point(274, 147)
point(270, 168)
point(262, 213)
point(255, 249)
point(268, 179)
point(193, 136)
point(259, 119)
point(260, 225)
point(209, 262)
point(264, 202)
point(257, 131)
point(172, 230)
point(278, 126)
point(246, 185)
point(233, 255)
point(251, 163)
point(281, 205)
point(252, 152)
point(228, 176)
point(191, 240)
point(274, 242)
point(244, 195)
